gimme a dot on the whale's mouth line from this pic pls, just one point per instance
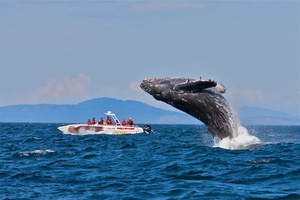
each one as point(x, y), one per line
point(153, 89)
point(153, 85)
point(146, 87)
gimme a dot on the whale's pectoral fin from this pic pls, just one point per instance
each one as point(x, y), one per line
point(194, 86)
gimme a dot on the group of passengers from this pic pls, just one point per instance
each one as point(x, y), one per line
point(108, 121)
point(129, 122)
point(89, 122)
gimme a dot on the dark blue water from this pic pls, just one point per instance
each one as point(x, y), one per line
point(37, 161)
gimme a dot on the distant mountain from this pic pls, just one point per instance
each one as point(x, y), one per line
point(79, 113)
point(262, 116)
point(141, 113)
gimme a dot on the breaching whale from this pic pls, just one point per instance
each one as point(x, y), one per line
point(201, 99)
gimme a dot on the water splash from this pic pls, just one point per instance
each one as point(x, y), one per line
point(241, 139)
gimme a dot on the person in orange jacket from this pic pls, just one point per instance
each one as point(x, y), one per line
point(89, 122)
point(100, 122)
point(129, 122)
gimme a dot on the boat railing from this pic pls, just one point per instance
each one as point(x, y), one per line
point(114, 117)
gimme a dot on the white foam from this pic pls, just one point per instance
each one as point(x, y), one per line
point(36, 152)
point(241, 140)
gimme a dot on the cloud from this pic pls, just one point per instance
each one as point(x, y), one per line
point(238, 96)
point(241, 97)
point(252, 95)
point(69, 87)
point(231, 94)
point(167, 5)
point(130, 91)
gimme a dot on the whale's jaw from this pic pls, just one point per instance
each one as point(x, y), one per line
point(201, 99)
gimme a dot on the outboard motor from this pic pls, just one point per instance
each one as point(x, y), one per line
point(147, 128)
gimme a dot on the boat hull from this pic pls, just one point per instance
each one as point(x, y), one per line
point(84, 129)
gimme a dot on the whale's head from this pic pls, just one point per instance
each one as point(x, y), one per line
point(200, 98)
point(160, 88)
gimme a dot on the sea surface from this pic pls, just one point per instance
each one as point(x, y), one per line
point(37, 161)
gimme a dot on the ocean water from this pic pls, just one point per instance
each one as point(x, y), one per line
point(37, 161)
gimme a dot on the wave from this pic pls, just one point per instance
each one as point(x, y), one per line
point(35, 153)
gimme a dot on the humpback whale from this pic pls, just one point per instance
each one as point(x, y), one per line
point(201, 99)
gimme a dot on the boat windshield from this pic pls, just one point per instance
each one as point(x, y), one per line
point(114, 117)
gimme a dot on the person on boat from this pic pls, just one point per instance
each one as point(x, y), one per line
point(124, 122)
point(93, 121)
point(100, 122)
point(129, 122)
point(108, 121)
point(89, 122)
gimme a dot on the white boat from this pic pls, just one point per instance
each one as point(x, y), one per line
point(115, 128)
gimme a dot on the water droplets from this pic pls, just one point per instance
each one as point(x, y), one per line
point(241, 140)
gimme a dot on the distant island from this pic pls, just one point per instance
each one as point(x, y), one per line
point(140, 112)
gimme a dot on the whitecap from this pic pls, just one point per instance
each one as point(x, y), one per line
point(36, 152)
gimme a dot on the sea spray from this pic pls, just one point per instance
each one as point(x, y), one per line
point(240, 139)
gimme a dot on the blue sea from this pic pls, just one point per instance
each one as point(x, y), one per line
point(37, 161)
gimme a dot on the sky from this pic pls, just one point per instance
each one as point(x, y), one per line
point(66, 52)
